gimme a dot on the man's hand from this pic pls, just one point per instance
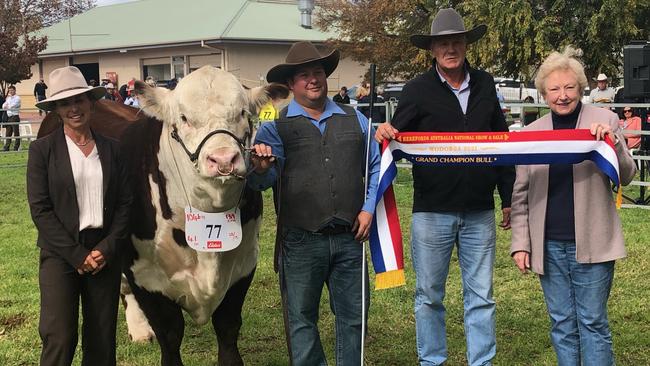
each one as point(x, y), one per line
point(361, 227)
point(385, 131)
point(262, 158)
point(505, 221)
point(522, 260)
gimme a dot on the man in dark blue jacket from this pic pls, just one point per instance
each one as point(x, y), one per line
point(453, 205)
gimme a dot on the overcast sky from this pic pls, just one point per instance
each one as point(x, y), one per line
point(109, 2)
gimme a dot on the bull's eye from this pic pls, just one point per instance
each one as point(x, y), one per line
point(244, 113)
point(183, 118)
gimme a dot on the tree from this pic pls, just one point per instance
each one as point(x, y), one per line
point(521, 33)
point(20, 42)
point(377, 32)
point(53, 11)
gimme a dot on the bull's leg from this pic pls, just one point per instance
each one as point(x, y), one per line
point(227, 322)
point(166, 319)
point(136, 322)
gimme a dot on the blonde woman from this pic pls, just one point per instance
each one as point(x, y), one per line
point(564, 222)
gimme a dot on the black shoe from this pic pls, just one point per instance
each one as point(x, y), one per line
point(6, 148)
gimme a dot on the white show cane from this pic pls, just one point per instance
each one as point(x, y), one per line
point(373, 67)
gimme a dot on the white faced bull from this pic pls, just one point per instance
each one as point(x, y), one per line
point(192, 152)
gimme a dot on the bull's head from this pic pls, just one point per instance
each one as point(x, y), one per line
point(208, 117)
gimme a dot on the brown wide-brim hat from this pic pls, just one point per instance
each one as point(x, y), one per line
point(300, 54)
point(67, 82)
point(447, 22)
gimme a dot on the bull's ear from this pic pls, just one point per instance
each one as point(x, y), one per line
point(153, 100)
point(262, 94)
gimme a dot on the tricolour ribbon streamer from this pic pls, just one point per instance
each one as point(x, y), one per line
point(482, 148)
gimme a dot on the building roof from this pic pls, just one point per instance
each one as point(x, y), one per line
point(155, 23)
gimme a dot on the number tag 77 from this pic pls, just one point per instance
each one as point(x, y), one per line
point(212, 232)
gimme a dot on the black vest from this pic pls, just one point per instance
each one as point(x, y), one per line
point(323, 174)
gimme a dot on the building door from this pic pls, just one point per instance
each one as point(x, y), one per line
point(89, 71)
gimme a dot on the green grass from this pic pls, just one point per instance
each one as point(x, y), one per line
point(522, 322)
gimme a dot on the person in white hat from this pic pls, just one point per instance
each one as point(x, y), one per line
point(453, 206)
point(79, 198)
point(110, 92)
point(603, 93)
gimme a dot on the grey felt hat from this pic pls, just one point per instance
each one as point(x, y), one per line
point(447, 22)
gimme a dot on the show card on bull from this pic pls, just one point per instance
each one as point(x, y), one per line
point(212, 231)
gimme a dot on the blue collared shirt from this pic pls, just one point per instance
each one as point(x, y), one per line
point(462, 93)
point(268, 135)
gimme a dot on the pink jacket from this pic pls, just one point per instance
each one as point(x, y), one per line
point(599, 235)
point(634, 123)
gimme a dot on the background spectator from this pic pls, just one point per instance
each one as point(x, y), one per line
point(132, 99)
point(631, 122)
point(123, 91)
point(110, 91)
point(39, 93)
point(150, 81)
point(603, 93)
point(342, 96)
point(530, 113)
point(12, 107)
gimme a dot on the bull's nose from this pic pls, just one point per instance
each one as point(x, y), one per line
point(222, 161)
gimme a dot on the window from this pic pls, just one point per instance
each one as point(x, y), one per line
point(197, 61)
point(179, 66)
point(158, 68)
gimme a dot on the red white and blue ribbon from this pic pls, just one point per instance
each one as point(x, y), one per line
point(483, 148)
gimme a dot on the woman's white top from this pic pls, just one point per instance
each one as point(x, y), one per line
point(88, 183)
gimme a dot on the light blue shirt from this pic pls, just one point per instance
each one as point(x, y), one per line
point(268, 135)
point(462, 93)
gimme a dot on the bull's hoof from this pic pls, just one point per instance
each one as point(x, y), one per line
point(142, 336)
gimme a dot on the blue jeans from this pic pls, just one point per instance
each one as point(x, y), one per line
point(576, 298)
point(433, 237)
point(308, 261)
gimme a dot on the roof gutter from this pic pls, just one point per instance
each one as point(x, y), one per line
point(224, 59)
point(200, 43)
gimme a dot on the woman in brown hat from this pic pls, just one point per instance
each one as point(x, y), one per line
point(79, 200)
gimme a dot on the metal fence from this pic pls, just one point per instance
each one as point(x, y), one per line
point(28, 131)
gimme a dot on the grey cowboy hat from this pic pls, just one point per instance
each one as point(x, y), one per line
point(66, 82)
point(447, 22)
point(300, 54)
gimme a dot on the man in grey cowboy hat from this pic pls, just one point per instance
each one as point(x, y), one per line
point(602, 93)
point(320, 147)
point(453, 205)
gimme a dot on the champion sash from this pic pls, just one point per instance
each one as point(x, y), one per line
point(483, 148)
